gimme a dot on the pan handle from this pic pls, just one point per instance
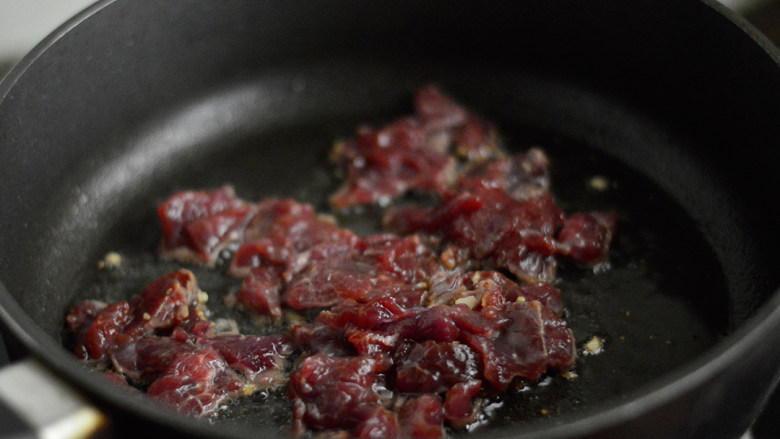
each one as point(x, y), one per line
point(34, 403)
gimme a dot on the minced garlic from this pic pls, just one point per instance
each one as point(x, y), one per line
point(469, 301)
point(599, 183)
point(594, 346)
point(110, 261)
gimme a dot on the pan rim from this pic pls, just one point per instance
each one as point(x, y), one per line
point(7, 82)
point(610, 413)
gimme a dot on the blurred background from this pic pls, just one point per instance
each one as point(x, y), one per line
point(23, 23)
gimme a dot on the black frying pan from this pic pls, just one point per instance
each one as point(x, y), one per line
point(670, 100)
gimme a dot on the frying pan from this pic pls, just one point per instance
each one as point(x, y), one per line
point(676, 102)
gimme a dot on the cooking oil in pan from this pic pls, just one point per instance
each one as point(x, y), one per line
point(647, 311)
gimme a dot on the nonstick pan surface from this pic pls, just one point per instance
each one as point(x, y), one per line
point(123, 130)
point(646, 308)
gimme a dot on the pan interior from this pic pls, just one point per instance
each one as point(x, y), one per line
point(663, 302)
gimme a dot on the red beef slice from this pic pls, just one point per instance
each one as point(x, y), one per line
point(197, 382)
point(143, 360)
point(161, 340)
point(495, 228)
point(422, 417)
point(83, 314)
point(376, 266)
point(287, 245)
point(523, 176)
point(280, 231)
point(436, 110)
point(433, 367)
point(336, 393)
point(414, 153)
point(391, 161)
point(441, 323)
point(260, 290)
point(498, 231)
point(380, 424)
point(261, 359)
point(480, 289)
point(410, 154)
point(461, 407)
point(327, 277)
point(96, 325)
point(374, 314)
point(585, 237)
point(320, 339)
point(197, 225)
point(406, 258)
point(524, 348)
point(476, 140)
point(166, 303)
